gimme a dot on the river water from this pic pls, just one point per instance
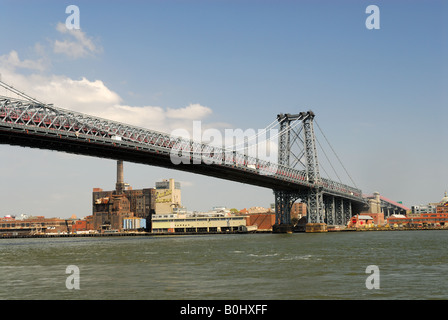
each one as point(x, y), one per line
point(410, 265)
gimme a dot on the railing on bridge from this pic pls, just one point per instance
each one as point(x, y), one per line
point(28, 115)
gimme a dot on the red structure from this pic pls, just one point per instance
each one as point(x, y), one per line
point(263, 221)
point(440, 217)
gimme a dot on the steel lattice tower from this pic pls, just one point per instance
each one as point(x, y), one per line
point(303, 135)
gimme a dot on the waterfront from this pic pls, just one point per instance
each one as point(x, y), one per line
point(412, 265)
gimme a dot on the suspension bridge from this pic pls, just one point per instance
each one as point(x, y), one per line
point(28, 122)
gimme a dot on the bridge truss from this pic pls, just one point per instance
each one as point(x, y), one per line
point(323, 205)
point(26, 121)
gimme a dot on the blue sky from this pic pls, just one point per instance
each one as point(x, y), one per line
point(379, 95)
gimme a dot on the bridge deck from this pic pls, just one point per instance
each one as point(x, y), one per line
point(43, 126)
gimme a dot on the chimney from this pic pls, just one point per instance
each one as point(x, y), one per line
point(119, 188)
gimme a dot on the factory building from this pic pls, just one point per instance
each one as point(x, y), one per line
point(114, 210)
point(110, 208)
point(168, 197)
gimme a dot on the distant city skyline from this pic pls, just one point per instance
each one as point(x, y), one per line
point(380, 95)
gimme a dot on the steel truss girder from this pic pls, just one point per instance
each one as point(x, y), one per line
point(283, 204)
point(347, 210)
point(338, 211)
point(315, 206)
point(330, 210)
point(46, 119)
point(327, 208)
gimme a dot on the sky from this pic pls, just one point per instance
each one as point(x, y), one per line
point(379, 95)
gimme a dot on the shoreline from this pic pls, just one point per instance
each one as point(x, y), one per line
point(121, 234)
point(386, 229)
point(150, 234)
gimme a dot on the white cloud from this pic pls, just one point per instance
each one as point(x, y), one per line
point(78, 44)
point(185, 183)
point(91, 97)
point(12, 61)
point(192, 112)
point(95, 98)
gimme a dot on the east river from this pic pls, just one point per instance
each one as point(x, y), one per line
point(345, 265)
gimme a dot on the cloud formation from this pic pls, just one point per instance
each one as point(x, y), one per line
point(88, 96)
point(76, 43)
point(191, 112)
point(12, 61)
point(95, 98)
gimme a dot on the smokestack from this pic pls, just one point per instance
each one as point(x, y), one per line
point(119, 188)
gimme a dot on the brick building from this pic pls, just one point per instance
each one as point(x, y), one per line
point(109, 208)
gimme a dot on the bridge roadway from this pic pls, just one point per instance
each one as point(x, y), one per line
point(36, 125)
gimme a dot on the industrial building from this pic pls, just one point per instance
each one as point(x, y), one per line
point(168, 196)
point(158, 210)
point(111, 208)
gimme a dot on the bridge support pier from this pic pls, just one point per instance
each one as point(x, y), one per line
point(315, 211)
point(283, 204)
point(282, 228)
point(315, 227)
point(315, 206)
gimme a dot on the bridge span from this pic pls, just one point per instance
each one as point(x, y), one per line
point(28, 122)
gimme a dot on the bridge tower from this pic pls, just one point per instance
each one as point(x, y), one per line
point(302, 136)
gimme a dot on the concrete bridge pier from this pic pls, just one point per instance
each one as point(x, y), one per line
point(282, 228)
point(315, 227)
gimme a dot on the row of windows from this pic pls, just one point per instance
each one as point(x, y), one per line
point(13, 225)
point(196, 219)
point(417, 220)
point(27, 224)
point(203, 229)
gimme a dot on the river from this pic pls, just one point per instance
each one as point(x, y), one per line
point(408, 265)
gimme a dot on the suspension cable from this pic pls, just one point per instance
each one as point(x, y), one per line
point(20, 93)
point(328, 161)
point(336, 154)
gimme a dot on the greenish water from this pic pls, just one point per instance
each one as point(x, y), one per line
point(412, 265)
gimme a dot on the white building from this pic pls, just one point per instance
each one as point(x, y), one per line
point(172, 223)
point(424, 209)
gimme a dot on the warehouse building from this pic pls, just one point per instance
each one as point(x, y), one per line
point(30, 225)
point(172, 223)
